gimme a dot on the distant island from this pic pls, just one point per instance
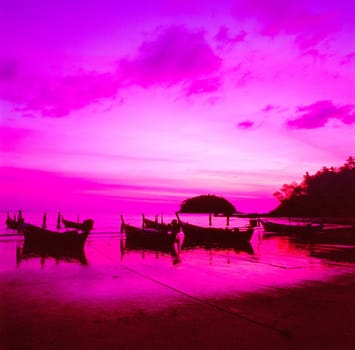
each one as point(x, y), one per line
point(207, 204)
point(329, 192)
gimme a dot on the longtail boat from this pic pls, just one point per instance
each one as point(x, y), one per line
point(134, 233)
point(86, 225)
point(215, 234)
point(14, 223)
point(313, 232)
point(147, 223)
point(284, 228)
point(68, 241)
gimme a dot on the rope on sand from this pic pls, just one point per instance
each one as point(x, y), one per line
point(284, 332)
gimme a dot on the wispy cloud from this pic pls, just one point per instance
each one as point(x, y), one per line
point(224, 38)
point(125, 157)
point(37, 189)
point(176, 55)
point(246, 124)
point(202, 86)
point(318, 114)
point(8, 70)
point(269, 108)
point(349, 58)
point(308, 23)
point(315, 54)
point(13, 139)
point(54, 96)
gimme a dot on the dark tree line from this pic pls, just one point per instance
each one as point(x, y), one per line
point(207, 204)
point(329, 192)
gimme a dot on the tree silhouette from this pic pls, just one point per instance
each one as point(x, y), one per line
point(207, 204)
point(329, 192)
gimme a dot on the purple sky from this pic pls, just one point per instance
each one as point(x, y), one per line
point(113, 104)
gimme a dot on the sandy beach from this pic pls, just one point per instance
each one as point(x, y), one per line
point(317, 315)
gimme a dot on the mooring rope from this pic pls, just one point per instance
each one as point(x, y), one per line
point(284, 332)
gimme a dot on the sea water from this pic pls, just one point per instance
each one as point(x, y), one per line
point(111, 269)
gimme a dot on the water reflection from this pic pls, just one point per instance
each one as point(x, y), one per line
point(156, 246)
point(27, 252)
point(237, 247)
point(181, 247)
point(341, 254)
point(117, 265)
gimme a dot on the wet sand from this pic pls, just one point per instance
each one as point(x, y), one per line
point(315, 315)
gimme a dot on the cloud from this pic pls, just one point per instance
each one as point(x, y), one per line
point(176, 55)
point(13, 139)
point(315, 54)
point(246, 124)
point(125, 157)
point(269, 108)
point(223, 37)
point(33, 189)
point(309, 22)
point(348, 59)
point(318, 114)
point(8, 70)
point(245, 78)
point(203, 86)
point(55, 96)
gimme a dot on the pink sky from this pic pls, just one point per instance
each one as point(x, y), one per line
point(128, 105)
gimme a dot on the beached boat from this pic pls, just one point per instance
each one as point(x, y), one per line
point(67, 241)
point(134, 233)
point(147, 223)
point(313, 232)
point(290, 228)
point(86, 225)
point(214, 234)
point(14, 223)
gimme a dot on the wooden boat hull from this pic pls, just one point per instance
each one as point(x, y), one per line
point(280, 228)
point(153, 224)
point(86, 225)
point(151, 235)
point(13, 224)
point(212, 234)
point(69, 241)
point(313, 233)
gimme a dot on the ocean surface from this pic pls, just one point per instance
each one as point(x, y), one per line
point(111, 269)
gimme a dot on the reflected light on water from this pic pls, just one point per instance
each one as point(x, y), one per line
point(113, 269)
